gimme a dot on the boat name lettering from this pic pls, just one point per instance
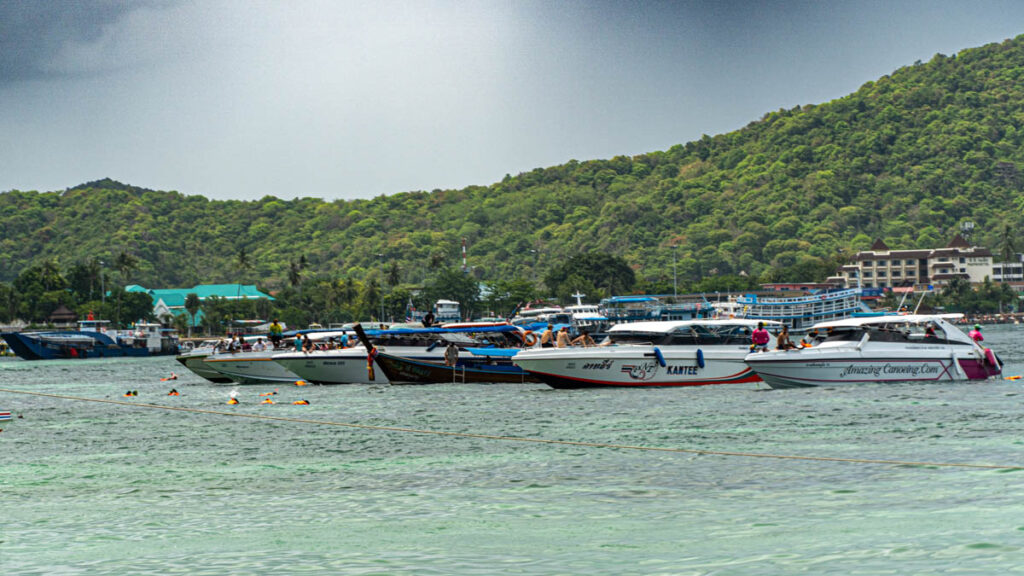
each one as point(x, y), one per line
point(683, 370)
point(875, 370)
point(602, 365)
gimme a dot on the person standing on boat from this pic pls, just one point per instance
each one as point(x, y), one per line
point(760, 337)
point(451, 354)
point(976, 334)
point(275, 333)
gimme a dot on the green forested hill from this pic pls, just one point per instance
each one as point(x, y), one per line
point(906, 158)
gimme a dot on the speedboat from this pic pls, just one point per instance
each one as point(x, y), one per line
point(656, 353)
point(193, 360)
point(894, 348)
point(258, 366)
point(351, 366)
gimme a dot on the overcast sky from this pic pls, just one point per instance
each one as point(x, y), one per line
point(347, 99)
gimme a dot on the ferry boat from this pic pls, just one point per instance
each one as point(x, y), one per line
point(800, 312)
point(894, 348)
point(662, 353)
point(93, 339)
point(623, 309)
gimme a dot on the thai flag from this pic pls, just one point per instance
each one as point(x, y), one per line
point(4, 415)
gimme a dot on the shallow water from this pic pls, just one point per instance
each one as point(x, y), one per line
point(94, 488)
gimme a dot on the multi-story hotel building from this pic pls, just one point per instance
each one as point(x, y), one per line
point(881, 267)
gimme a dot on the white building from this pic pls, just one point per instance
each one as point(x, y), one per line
point(881, 267)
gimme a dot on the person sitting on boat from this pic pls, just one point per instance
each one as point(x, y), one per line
point(547, 337)
point(760, 338)
point(929, 331)
point(583, 339)
point(259, 346)
point(307, 344)
point(563, 338)
point(976, 334)
point(782, 341)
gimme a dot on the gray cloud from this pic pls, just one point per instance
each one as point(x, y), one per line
point(34, 35)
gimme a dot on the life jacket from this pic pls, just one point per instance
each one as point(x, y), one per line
point(301, 402)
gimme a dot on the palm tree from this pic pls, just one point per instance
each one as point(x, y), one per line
point(125, 263)
point(243, 264)
point(192, 304)
point(1008, 247)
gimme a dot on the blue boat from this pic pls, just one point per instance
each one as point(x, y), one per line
point(93, 339)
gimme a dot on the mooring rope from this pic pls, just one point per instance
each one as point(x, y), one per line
point(517, 438)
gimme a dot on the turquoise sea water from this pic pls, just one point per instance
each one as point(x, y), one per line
point(93, 488)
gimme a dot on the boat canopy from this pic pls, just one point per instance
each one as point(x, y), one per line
point(666, 326)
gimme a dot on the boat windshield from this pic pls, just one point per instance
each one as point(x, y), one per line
point(691, 335)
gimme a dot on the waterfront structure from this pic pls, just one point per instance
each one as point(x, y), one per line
point(881, 267)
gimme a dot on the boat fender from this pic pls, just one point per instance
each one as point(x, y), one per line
point(659, 356)
point(863, 341)
point(700, 358)
point(433, 345)
point(529, 339)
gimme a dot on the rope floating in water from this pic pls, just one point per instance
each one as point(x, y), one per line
point(519, 438)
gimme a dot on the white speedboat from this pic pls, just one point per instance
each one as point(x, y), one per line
point(193, 360)
point(349, 365)
point(659, 353)
point(918, 348)
point(258, 367)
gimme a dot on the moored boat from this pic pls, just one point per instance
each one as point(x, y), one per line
point(349, 365)
point(894, 348)
point(641, 354)
point(93, 339)
point(193, 360)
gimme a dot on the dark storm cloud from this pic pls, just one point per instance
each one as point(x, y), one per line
point(33, 34)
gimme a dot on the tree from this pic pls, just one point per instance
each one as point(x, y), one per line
point(454, 284)
point(608, 272)
point(192, 305)
point(1007, 245)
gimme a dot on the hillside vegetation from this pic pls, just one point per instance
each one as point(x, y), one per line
point(905, 158)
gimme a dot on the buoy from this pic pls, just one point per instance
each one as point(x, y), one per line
point(300, 382)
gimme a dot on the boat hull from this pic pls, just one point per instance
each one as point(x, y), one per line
point(637, 366)
point(250, 368)
point(808, 368)
point(194, 362)
point(477, 370)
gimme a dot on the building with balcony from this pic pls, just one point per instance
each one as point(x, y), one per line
point(881, 267)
